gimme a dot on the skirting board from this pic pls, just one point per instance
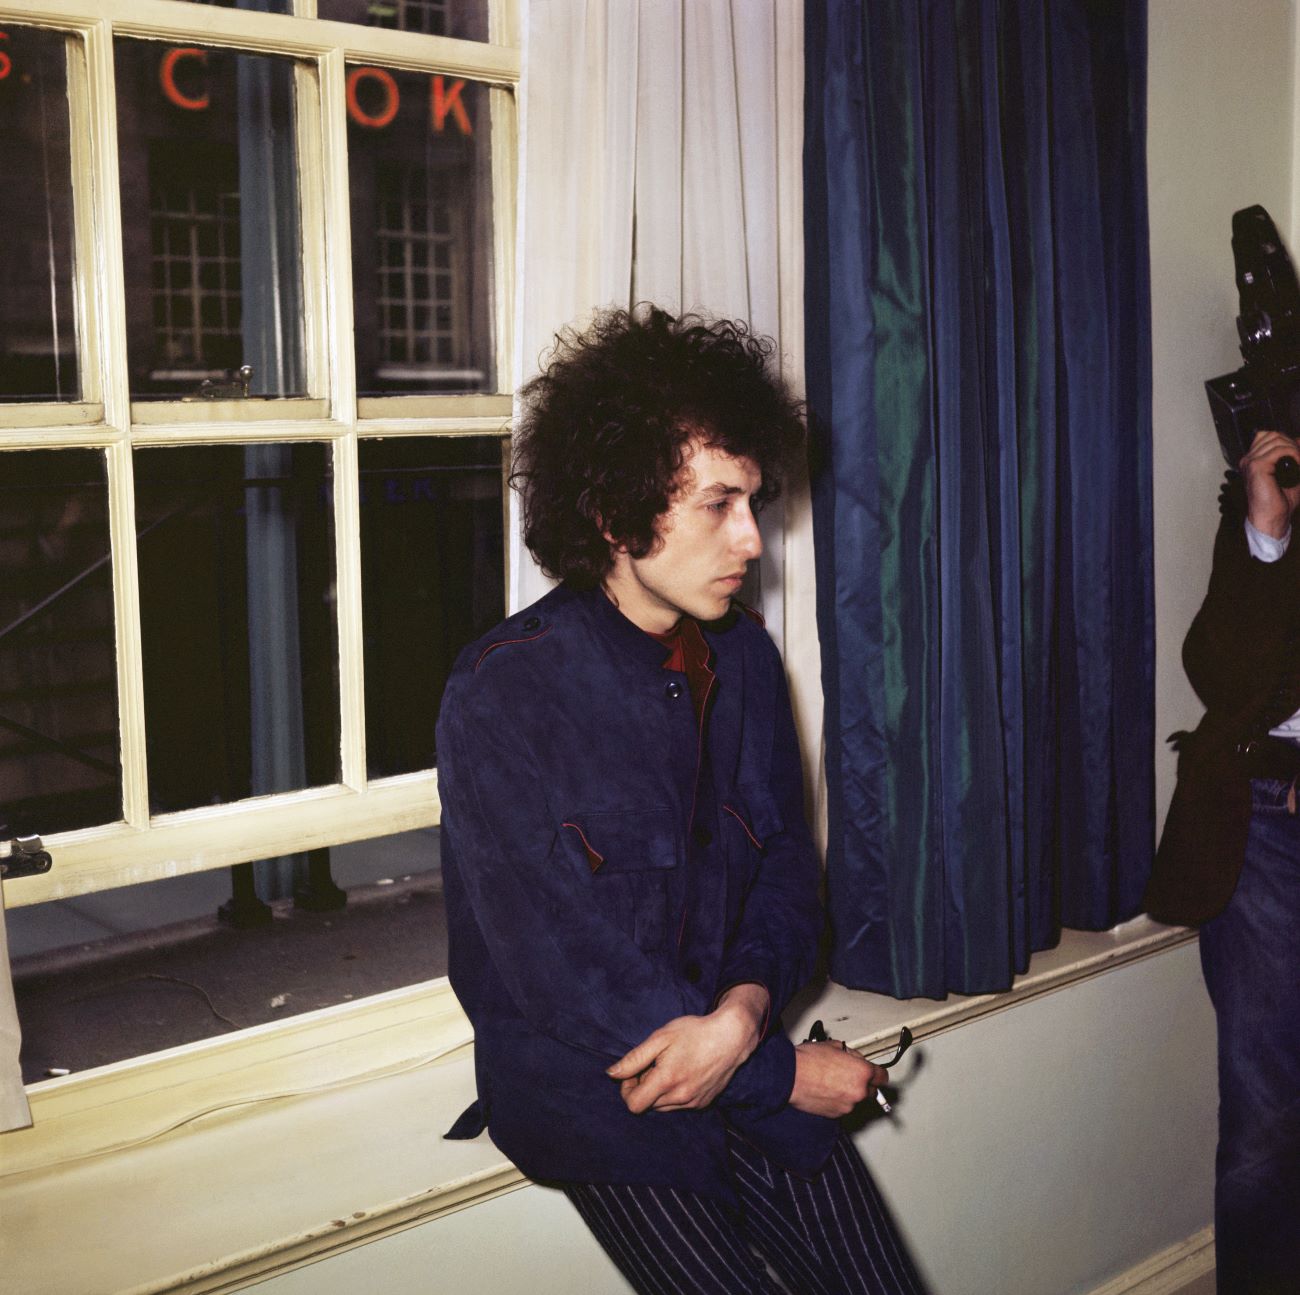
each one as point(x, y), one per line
point(1184, 1269)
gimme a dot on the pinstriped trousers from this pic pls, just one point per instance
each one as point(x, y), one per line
point(828, 1235)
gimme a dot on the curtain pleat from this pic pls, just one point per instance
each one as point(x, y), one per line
point(979, 388)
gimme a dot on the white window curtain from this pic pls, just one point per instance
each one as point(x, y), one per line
point(660, 154)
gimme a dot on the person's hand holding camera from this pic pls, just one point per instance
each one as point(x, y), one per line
point(1269, 505)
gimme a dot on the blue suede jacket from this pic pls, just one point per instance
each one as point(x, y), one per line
point(596, 888)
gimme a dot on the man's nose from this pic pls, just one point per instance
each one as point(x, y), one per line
point(749, 541)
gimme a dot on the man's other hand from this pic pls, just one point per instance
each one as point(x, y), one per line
point(685, 1064)
point(1268, 506)
point(831, 1081)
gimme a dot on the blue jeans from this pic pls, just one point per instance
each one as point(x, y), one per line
point(1250, 954)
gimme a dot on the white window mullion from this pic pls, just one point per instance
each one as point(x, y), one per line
point(338, 335)
point(505, 146)
point(84, 146)
point(347, 557)
point(96, 189)
point(313, 188)
point(337, 220)
point(96, 182)
point(126, 602)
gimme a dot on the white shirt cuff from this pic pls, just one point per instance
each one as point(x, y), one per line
point(1265, 547)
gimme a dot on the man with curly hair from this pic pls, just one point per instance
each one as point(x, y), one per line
point(631, 888)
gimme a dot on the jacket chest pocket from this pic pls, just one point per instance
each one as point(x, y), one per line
point(633, 861)
point(750, 819)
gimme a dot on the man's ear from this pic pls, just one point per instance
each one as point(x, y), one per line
point(597, 519)
point(615, 546)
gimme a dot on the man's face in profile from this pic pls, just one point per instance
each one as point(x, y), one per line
point(704, 541)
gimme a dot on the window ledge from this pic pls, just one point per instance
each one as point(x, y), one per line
point(870, 1023)
point(269, 1183)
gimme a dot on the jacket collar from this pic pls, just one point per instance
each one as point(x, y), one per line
point(630, 641)
point(627, 641)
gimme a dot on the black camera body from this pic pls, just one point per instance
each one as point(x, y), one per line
point(1264, 394)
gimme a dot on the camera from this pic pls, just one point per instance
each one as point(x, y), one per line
point(1265, 392)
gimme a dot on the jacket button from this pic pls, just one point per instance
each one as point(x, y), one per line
point(673, 689)
point(692, 972)
point(532, 623)
point(702, 835)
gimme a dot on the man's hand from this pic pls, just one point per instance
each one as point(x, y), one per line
point(830, 1081)
point(1268, 506)
point(685, 1064)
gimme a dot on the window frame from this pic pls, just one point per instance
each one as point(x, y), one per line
point(141, 846)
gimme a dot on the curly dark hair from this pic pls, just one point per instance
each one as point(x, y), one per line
point(607, 425)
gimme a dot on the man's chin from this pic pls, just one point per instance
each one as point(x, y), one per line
point(711, 609)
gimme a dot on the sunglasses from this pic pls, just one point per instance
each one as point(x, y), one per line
point(818, 1035)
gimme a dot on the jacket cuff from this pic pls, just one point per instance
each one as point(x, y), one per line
point(751, 966)
point(764, 1083)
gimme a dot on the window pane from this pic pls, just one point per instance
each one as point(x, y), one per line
point(59, 753)
point(38, 357)
point(432, 579)
point(419, 166)
point(210, 221)
point(465, 19)
point(237, 619)
point(120, 973)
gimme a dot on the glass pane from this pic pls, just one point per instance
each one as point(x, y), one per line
point(121, 973)
point(432, 579)
point(38, 355)
point(465, 19)
point(210, 221)
point(59, 751)
point(420, 170)
point(236, 556)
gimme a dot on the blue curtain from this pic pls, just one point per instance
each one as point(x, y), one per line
point(978, 342)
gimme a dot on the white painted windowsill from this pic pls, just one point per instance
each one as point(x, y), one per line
point(271, 1182)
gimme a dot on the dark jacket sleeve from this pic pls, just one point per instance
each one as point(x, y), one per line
point(775, 940)
point(568, 970)
point(775, 943)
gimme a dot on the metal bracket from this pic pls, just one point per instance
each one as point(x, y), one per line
point(23, 856)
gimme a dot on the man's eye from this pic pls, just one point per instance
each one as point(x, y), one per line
point(719, 506)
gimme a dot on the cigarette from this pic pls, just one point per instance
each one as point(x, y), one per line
point(883, 1102)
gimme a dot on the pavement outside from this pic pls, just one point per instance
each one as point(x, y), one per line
point(144, 985)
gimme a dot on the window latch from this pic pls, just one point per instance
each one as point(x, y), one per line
point(23, 856)
point(234, 386)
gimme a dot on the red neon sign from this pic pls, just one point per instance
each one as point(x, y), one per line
point(443, 101)
point(6, 63)
point(167, 78)
point(392, 97)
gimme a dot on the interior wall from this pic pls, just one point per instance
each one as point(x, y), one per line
point(1046, 1148)
point(1038, 1151)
